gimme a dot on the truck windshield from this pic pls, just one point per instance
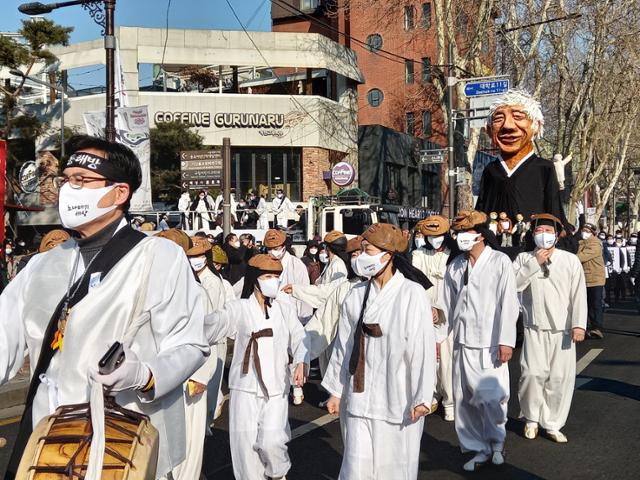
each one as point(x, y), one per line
point(355, 221)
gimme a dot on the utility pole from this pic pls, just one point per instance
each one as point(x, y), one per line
point(62, 99)
point(110, 48)
point(3, 186)
point(451, 81)
point(226, 186)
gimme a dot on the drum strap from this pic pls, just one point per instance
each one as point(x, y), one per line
point(120, 244)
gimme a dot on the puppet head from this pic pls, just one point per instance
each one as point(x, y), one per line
point(519, 217)
point(515, 120)
point(503, 215)
point(493, 216)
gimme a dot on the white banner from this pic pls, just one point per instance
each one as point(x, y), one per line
point(121, 93)
point(132, 130)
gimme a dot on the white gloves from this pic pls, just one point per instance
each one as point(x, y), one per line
point(132, 374)
point(633, 281)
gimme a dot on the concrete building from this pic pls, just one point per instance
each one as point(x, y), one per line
point(287, 101)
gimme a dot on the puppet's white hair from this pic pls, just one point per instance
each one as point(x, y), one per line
point(530, 106)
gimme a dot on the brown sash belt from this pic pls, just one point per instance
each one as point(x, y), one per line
point(372, 330)
point(253, 345)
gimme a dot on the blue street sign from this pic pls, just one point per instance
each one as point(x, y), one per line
point(486, 87)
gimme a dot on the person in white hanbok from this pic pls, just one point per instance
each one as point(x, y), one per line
point(554, 301)
point(382, 369)
point(202, 207)
point(294, 271)
point(335, 272)
point(481, 306)
point(183, 207)
point(432, 260)
point(266, 332)
point(282, 208)
point(260, 204)
point(149, 301)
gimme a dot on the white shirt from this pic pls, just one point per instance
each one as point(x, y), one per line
point(239, 319)
point(483, 313)
point(557, 302)
point(294, 272)
point(315, 295)
point(400, 366)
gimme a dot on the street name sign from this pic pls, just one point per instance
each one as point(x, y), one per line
point(201, 168)
point(487, 86)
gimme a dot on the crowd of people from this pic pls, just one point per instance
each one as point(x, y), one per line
point(396, 328)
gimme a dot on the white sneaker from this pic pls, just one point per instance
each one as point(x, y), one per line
point(448, 413)
point(475, 462)
point(497, 458)
point(557, 436)
point(530, 430)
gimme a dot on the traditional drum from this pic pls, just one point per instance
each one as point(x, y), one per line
point(59, 446)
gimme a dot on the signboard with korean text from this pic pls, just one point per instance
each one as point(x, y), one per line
point(486, 86)
point(201, 168)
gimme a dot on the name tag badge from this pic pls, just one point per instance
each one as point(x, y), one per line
point(95, 280)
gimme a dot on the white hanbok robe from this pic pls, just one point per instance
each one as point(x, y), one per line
point(197, 408)
point(294, 272)
point(552, 307)
point(381, 440)
point(315, 295)
point(482, 315)
point(282, 207)
point(150, 299)
point(434, 265)
point(258, 425)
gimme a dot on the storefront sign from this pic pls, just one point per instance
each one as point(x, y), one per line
point(343, 174)
point(249, 120)
point(28, 177)
point(197, 119)
point(201, 168)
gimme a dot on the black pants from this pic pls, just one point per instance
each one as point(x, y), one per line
point(595, 318)
point(615, 285)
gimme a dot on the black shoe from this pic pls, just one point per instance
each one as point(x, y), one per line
point(596, 333)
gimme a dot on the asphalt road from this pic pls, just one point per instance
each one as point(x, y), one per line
point(603, 427)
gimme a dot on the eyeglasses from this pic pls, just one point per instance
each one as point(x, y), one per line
point(78, 181)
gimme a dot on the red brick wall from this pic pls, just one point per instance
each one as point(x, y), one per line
point(314, 162)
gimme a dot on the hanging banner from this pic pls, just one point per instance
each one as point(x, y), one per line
point(3, 165)
point(132, 130)
point(121, 94)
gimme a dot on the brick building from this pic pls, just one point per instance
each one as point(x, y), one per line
point(394, 44)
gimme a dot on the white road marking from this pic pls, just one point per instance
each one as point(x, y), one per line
point(587, 358)
point(311, 426)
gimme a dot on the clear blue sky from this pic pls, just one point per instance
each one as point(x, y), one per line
point(203, 14)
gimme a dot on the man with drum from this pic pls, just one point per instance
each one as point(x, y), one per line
point(108, 284)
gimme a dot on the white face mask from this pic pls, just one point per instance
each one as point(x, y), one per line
point(80, 206)
point(436, 242)
point(277, 252)
point(610, 242)
point(236, 244)
point(545, 240)
point(369, 265)
point(313, 251)
point(466, 240)
point(633, 241)
point(354, 266)
point(8, 251)
point(586, 235)
point(198, 263)
point(280, 195)
point(324, 258)
point(269, 286)
point(419, 242)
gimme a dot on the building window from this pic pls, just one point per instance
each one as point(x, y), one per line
point(308, 4)
point(408, 18)
point(374, 42)
point(426, 15)
point(408, 71)
point(426, 123)
point(426, 69)
point(375, 97)
point(410, 123)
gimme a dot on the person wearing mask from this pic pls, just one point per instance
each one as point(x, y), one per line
point(383, 365)
point(593, 264)
point(336, 269)
point(183, 207)
point(481, 306)
point(630, 246)
point(236, 254)
point(634, 278)
point(163, 225)
point(311, 259)
point(554, 303)
point(301, 223)
point(265, 330)
point(249, 243)
point(293, 270)
point(260, 205)
point(70, 304)
point(615, 282)
point(282, 207)
point(10, 261)
point(432, 259)
point(51, 240)
point(202, 206)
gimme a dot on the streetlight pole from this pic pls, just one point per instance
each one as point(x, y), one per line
point(451, 81)
point(106, 21)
